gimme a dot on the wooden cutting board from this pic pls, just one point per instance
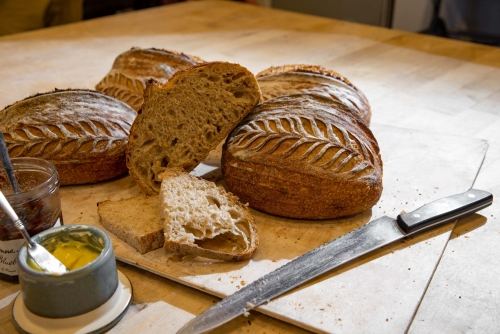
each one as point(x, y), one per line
point(388, 284)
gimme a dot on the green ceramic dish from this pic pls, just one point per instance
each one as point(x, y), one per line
point(77, 291)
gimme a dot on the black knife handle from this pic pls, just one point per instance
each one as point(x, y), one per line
point(444, 210)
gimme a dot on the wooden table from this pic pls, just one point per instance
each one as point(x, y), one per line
point(414, 82)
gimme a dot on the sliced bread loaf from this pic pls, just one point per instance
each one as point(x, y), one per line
point(203, 219)
point(182, 120)
point(132, 69)
point(135, 220)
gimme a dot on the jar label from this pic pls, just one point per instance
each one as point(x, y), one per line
point(8, 254)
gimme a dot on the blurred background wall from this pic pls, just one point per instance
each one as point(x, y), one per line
point(471, 20)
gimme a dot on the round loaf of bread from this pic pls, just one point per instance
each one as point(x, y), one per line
point(132, 69)
point(311, 79)
point(301, 156)
point(83, 133)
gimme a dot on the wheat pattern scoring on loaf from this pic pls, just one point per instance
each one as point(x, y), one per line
point(267, 135)
point(66, 138)
point(83, 133)
point(303, 156)
point(123, 88)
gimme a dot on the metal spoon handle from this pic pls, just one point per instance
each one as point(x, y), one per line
point(24, 232)
point(4, 155)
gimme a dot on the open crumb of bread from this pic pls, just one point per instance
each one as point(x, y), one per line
point(182, 120)
point(135, 220)
point(202, 219)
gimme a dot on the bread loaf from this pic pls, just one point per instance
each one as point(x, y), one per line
point(83, 133)
point(132, 69)
point(135, 220)
point(204, 220)
point(301, 156)
point(182, 120)
point(311, 79)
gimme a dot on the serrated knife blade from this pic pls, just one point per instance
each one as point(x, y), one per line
point(375, 234)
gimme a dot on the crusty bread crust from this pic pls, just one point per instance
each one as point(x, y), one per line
point(301, 156)
point(304, 68)
point(83, 133)
point(203, 219)
point(132, 69)
point(312, 79)
point(195, 250)
point(182, 120)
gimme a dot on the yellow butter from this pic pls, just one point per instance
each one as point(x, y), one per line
point(72, 253)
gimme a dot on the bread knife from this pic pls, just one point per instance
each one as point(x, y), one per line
point(375, 234)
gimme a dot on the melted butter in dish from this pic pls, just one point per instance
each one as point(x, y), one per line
point(74, 250)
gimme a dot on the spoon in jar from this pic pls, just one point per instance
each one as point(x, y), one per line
point(40, 255)
point(4, 155)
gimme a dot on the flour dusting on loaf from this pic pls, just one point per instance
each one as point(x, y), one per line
point(83, 133)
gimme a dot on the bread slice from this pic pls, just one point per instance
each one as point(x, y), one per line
point(135, 220)
point(182, 120)
point(132, 69)
point(203, 219)
point(312, 79)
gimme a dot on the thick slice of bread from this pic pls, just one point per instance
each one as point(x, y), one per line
point(182, 120)
point(132, 69)
point(135, 220)
point(312, 79)
point(203, 219)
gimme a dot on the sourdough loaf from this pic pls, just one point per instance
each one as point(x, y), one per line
point(132, 69)
point(301, 156)
point(83, 133)
point(311, 79)
point(203, 219)
point(135, 220)
point(182, 120)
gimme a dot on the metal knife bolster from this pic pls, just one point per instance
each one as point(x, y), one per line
point(444, 210)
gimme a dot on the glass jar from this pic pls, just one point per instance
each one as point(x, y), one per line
point(37, 204)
